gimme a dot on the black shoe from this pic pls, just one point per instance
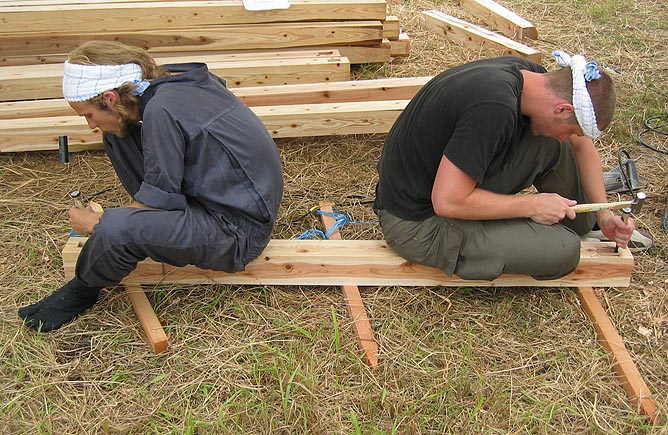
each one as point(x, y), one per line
point(59, 308)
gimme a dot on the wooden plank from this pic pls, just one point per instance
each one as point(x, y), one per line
point(354, 303)
point(401, 47)
point(33, 134)
point(68, 2)
point(358, 54)
point(147, 318)
point(45, 81)
point(501, 19)
point(214, 38)
point(475, 37)
point(629, 375)
point(189, 56)
point(391, 27)
point(364, 262)
point(398, 88)
point(330, 119)
point(114, 17)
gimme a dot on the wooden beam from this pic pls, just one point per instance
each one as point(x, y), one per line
point(211, 38)
point(622, 363)
point(33, 134)
point(359, 54)
point(354, 303)
point(147, 318)
point(364, 262)
point(156, 15)
point(351, 91)
point(356, 54)
point(391, 27)
point(501, 19)
point(399, 88)
point(475, 37)
point(401, 47)
point(45, 81)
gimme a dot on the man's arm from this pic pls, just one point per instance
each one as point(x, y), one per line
point(591, 175)
point(454, 194)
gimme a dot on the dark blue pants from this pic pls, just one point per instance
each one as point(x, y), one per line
point(126, 236)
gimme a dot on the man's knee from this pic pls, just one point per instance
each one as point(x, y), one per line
point(562, 258)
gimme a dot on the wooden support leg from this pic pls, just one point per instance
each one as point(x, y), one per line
point(354, 303)
point(612, 342)
point(147, 318)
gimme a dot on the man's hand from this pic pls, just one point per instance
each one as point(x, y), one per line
point(615, 229)
point(83, 220)
point(550, 208)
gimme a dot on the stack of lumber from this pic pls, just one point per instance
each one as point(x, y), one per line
point(312, 43)
point(43, 31)
point(312, 109)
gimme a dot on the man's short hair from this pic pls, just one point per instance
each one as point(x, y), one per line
point(601, 91)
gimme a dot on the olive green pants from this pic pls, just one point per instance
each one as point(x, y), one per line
point(486, 249)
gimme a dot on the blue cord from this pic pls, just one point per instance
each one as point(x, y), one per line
point(341, 218)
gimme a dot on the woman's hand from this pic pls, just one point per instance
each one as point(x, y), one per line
point(83, 220)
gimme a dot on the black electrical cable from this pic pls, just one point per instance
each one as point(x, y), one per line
point(658, 125)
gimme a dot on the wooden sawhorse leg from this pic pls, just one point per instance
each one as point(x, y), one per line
point(354, 303)
point(631, 379)
point(147, 318)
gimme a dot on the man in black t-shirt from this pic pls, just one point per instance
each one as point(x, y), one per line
point(474, 137)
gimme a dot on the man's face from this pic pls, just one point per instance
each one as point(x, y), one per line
point(560, 125)
point(105, 120)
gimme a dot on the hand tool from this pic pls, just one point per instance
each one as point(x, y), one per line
point(76, 197)
point(614, 179)
point(634, 205)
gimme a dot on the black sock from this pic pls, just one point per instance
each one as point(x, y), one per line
point(61, 307)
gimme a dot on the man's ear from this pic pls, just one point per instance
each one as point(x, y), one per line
point(564, 108)
point(109, 98)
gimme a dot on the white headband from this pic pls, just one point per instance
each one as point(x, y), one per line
point(583, 72)
point(83, 82)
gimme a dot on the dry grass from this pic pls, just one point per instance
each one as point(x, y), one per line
point(283, 359)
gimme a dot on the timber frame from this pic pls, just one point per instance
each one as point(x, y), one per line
point(349, 263)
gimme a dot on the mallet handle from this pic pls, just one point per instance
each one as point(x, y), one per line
point(596, 206)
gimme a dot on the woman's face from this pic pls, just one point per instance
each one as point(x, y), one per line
point(104, 119)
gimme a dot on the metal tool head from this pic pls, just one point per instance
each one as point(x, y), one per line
point(636, 205)
point(638, 201)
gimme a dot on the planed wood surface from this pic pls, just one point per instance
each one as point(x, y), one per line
point(33, 134)
point(400, 47)
point(114, 17)
point(274, 95)
point(45, 81)
point(364, 262)
point(476, 37)
point(500, 18)
point(354, 303)
point(148, 320)
point(629, 375)
point(193, 39)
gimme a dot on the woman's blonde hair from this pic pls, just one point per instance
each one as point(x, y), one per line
point(116, 53)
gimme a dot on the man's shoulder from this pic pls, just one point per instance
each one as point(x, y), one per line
point(502, 64)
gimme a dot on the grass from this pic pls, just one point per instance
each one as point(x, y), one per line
point(284, 360)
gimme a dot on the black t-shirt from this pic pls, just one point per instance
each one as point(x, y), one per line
point(470, 113)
